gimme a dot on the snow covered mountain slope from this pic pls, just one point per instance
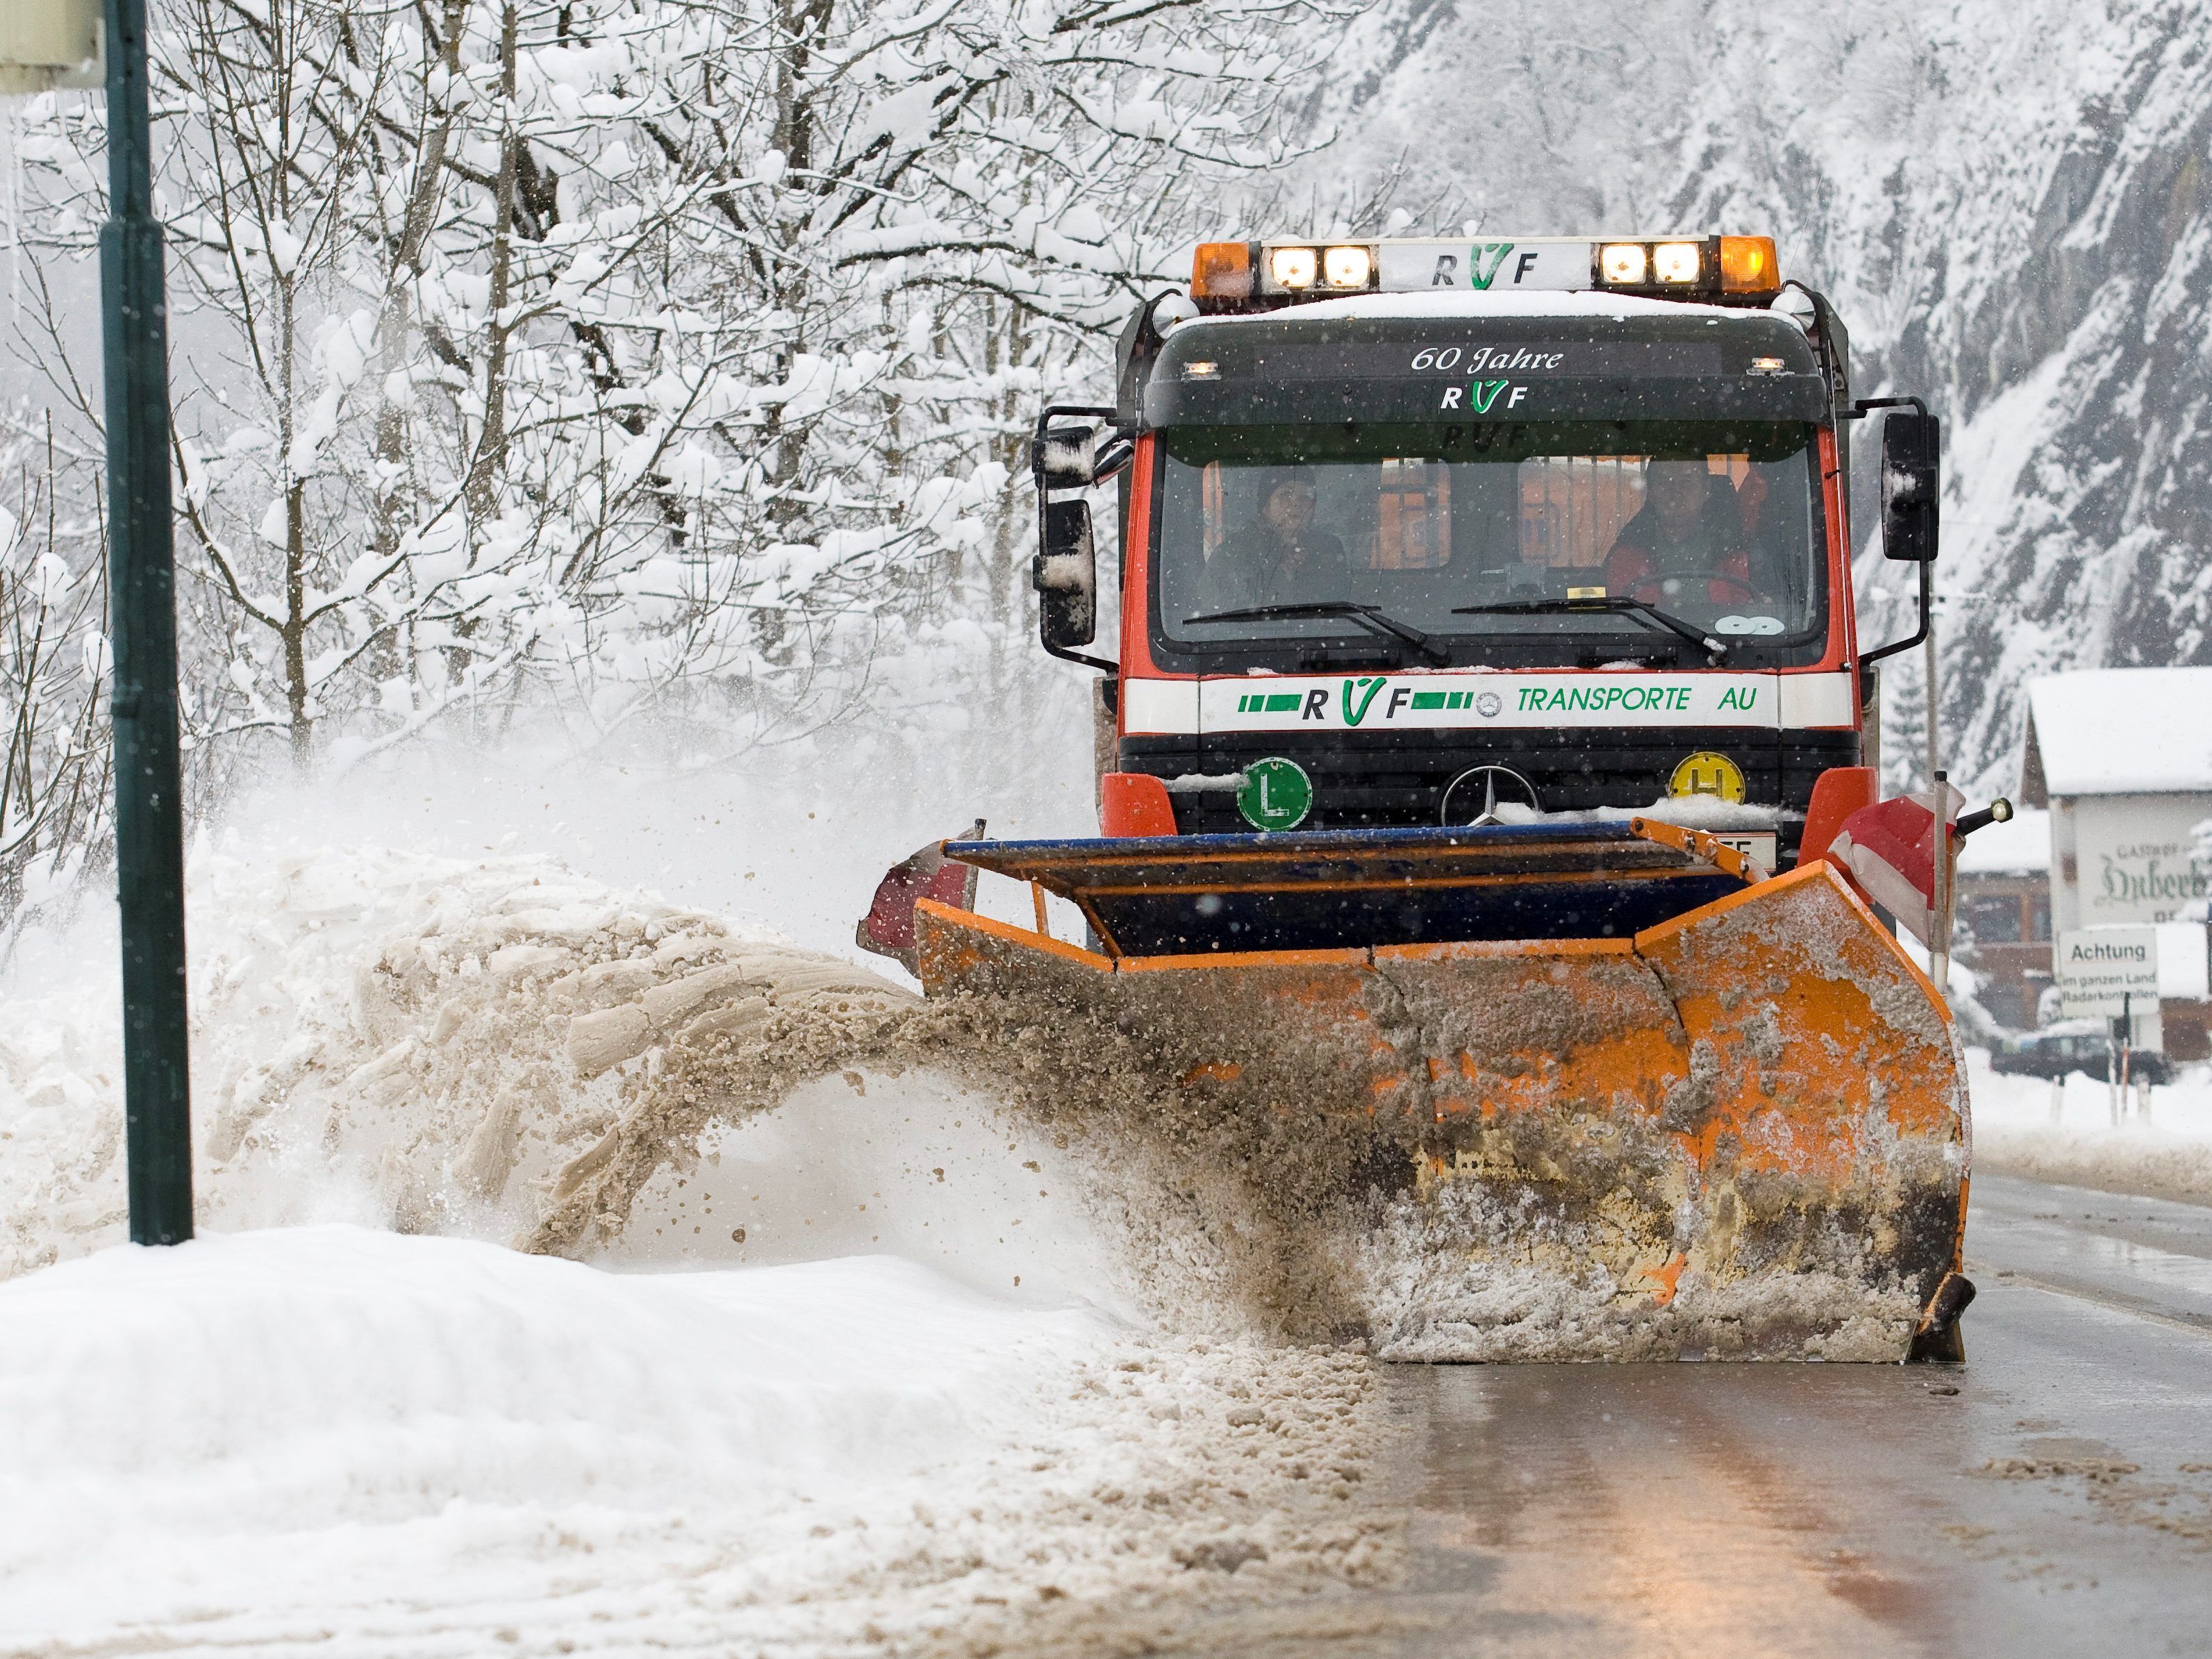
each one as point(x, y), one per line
point(2008, 202)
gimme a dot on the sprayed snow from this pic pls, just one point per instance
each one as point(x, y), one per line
point(324, 1087)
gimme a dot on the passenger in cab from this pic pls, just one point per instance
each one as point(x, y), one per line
point(1282, 557)
point(1691, 541)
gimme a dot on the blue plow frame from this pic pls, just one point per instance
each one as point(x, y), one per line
point(1334, 889)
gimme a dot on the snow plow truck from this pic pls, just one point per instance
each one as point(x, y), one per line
point(1487, 774)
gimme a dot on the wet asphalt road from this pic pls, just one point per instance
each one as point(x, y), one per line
point(2054, 1496)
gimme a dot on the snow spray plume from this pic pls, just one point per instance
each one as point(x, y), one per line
point(1216, 1202)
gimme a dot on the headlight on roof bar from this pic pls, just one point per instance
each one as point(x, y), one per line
point(1676, 262)
point(1347, 267)
point(1622, 264)
point(1293, 268)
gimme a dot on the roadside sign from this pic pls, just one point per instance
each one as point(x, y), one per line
point(2102, 972)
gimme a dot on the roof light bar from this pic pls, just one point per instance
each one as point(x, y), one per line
point(1262, 275)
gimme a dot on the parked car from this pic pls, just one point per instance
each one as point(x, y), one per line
point(2074, 1045)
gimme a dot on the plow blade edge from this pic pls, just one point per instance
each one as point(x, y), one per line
point(1740, 1133)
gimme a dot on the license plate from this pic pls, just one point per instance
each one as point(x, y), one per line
point(1760, 848)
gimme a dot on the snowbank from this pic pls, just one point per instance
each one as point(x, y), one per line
point(346, 1442)
point(2028, 1126)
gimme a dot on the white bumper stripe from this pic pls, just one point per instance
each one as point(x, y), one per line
point(1159, 708)
point(1292, 702)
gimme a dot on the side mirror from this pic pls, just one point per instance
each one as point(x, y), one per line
point(1074, 457)
point(1064, 574)
point(1065, 457)
point(1912, 485)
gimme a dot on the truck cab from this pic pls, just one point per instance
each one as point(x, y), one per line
point(1431, 532)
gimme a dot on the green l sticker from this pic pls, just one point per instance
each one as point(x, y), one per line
point(1276, 794)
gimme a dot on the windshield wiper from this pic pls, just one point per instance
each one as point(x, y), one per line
point(1620, 607)
point(1368, 616)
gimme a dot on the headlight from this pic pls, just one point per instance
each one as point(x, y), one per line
point(1347, 267)
point(1623, 262)
point(1676, 262)
point(1293, 267)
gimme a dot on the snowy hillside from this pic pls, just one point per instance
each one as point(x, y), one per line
point(2008, 202)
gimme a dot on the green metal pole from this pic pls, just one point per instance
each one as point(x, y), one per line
point(149, 826)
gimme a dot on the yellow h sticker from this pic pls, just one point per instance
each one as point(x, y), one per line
point(1708, 773)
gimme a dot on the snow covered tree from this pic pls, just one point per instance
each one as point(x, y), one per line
point(54, 776)
point(662, 356)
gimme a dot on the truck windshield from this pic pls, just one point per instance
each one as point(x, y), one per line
point(1712, 524)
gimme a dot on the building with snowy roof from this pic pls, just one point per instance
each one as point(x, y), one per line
point(2121, 761)
point(2004, 908)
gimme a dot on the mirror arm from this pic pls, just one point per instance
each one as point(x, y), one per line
point(1866, 406)
point(1099, 663)
point(1868, 659)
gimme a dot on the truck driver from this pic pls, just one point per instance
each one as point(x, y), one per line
point(1690, 535)
point(1282, 557)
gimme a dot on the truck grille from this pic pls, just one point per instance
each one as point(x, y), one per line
point(1379, 779)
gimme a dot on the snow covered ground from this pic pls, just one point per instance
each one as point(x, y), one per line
point(865, 1374)
point(338, 1440)
point(2025, 1126)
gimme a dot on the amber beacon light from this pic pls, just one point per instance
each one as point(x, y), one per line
point(1748, 265)
point(1222, 271)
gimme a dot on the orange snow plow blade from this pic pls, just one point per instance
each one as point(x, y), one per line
point(1740, 1132)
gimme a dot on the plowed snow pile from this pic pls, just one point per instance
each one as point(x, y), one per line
point(339, 1441)
point(2024, 1126)
point(936, 1383)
